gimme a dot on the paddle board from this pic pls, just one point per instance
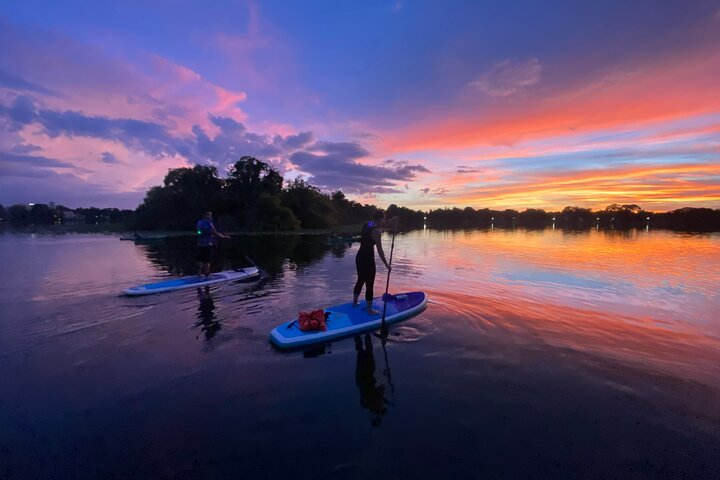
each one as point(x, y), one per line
point(345, 320)
point(193, 281)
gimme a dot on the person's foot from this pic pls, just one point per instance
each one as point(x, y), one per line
point(371, 311)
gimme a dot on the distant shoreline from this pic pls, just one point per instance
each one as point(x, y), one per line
point(119, 229)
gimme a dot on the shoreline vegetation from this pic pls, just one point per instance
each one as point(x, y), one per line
point(255, 199)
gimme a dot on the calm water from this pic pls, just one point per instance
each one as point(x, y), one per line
point(542, 354)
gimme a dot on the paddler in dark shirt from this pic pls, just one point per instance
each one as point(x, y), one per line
point(365, 260)
point(207, 240)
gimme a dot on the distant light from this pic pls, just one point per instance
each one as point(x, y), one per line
point(647, 218)
point(425, 218)
point(30, 204)
point(492, 218)
point(598, 219)
point(553, 219)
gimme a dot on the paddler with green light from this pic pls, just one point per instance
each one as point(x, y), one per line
point(207, 241)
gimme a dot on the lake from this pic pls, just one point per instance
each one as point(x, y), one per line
point(542, 354)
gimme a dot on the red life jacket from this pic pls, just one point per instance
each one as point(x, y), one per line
point(314, 321)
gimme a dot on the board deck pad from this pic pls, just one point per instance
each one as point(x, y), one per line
point(345, 320)
point(193, 281)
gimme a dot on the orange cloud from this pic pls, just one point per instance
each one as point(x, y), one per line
point(653, 187)
point(676, 87)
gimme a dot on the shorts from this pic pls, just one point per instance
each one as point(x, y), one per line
point(205, 254)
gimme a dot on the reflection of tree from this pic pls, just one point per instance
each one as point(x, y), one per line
point(207, 320)
point(372, 395)
point(178, 254)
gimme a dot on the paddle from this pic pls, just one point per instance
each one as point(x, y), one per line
point(383, 323)
point(249, 260)
point(386, 372)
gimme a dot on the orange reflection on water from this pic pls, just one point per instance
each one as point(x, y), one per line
point(633, 342)
point(645, 299)
point(648, 257)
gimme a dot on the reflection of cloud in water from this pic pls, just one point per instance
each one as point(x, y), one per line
point(636, 341)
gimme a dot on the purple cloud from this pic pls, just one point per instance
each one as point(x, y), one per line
point(21, 185)
point(13, 82)
point(109, 158)
point(232, 142)
point(30, 161)
point(23, 148)
point(333, 166)
point(434, 191)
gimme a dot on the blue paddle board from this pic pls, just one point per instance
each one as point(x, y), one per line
point(193, 281)
point(345, 320)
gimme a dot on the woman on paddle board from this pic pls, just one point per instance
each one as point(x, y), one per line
point(365, 260)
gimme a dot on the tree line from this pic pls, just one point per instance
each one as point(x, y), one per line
point(614, 216)
point(42, 214)
point(255, 197)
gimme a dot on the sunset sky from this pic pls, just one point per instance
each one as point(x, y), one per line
point(500, 104)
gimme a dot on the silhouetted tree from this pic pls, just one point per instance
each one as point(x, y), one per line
point(310, 205)
point(186, 193)
point(576, 217)
point(533, 217)
point(407, 218)
point(19, 214)
point(248, 179)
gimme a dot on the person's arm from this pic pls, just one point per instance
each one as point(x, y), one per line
point(378, 244)
point(216, 233)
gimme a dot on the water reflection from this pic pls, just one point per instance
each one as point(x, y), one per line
point(372, 393)
point(207, 320)
point(269, 252)
point(611, 334)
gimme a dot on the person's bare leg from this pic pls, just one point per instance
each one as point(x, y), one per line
point(355, 299)
point(370, 310)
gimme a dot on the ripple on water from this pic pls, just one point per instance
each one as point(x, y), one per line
point(413, 330)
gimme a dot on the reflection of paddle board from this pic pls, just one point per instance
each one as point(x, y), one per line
point(193, 281)
point(344, 320)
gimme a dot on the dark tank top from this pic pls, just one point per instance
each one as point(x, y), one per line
point(365, 252)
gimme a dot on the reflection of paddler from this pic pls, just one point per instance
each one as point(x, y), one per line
point(206, 313)
point(372, 395)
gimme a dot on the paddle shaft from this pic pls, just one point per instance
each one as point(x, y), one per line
point(383, 325)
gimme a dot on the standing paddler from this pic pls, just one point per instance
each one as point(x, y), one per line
point(365, 259)
point(207, 235)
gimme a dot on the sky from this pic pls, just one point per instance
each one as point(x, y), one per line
point(500, 104)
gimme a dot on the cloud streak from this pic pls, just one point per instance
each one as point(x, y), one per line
point(508, 77)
